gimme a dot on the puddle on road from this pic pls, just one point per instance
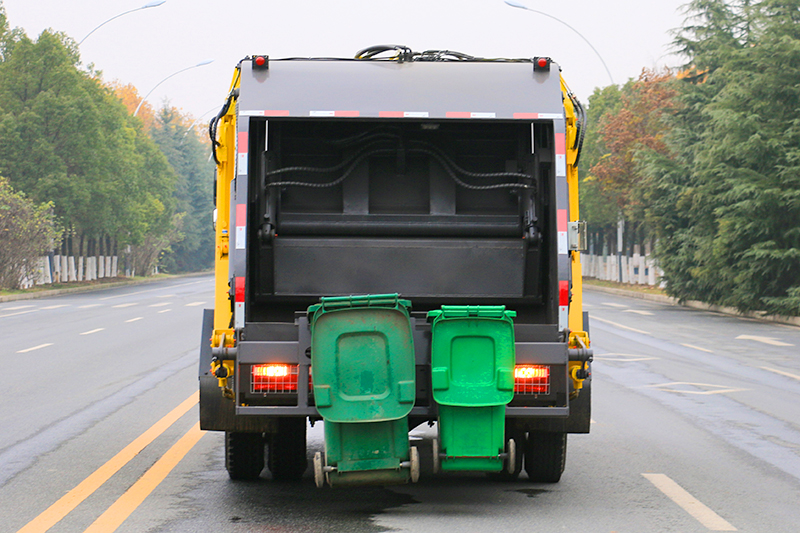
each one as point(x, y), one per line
point(532, 493)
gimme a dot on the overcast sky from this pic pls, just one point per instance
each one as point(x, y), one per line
point(146, 46)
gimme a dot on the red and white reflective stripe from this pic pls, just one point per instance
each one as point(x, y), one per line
point(241, 149)
point(334, 113)
point(403, 114)
point(238, 299)
point(241, 226)
point(561, 154)
point(534, 116)
point(563, 304)
point(561, 228)
point(469, 114)
point(264, 113)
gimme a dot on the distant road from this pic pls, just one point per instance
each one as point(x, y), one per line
point(695, 428)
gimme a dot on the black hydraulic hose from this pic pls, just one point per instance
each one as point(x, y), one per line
point(582, 132)
point(212, 125)
point(447, 164)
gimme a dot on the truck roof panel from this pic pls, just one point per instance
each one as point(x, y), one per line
point(391, 89)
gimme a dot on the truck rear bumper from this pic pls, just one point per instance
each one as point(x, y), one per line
point(291, 345)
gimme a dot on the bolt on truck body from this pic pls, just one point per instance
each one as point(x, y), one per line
point(397, 243)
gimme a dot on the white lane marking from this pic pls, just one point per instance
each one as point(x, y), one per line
point(150, 290)
point(627, 357)
point(88, 306)
point(689, 503)
point(92, 331)
point(712, 389)
point(165, 296)
point(134, 319)
point(18, 313)
point(622, 306)
point(45, 345)
point(638, 312)
point(194, 304)
point(766, 340)
point(594, 317)
point(18, 307)
point(781, 372)
point(59, 306)
point(120, 306)
point(591, 421)
point(164, 311)
point(693, 347)
point(162, 304)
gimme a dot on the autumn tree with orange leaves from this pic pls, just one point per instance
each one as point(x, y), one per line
point(636, 124)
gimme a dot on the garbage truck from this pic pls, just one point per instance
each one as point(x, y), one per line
point(397, 243)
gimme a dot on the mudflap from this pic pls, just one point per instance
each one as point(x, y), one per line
point(579, 419)
point(216, 412)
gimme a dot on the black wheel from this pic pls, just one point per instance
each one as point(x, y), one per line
point(545, 456)
point(244, 455)
point(287, 450)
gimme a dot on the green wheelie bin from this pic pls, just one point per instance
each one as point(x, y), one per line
point(362, 368)
point(472, 375)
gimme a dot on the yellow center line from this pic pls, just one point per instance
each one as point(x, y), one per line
point(53, 514)
point(115, 515)
point(689, 503)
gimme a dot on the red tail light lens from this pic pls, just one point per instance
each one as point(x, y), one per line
point(274, 378)
point(532, 379)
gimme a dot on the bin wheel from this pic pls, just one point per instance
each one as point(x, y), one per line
point(414, 453)
point(511, 461)
point(545, 456)
point(319, 475)
point(435, 456)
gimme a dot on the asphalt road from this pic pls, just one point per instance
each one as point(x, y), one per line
point(696, 428)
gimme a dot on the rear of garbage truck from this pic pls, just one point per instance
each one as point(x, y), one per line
point(397, 243)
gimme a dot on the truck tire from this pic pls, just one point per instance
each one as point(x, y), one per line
point(545, 456)
point(244, 455)
point(287, 450)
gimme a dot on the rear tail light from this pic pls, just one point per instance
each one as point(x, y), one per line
point(274, 378)
point(532, 379)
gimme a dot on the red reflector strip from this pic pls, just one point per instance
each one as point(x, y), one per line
point(403, 114)
point(563, 292)
point(274, 378)
point(241, 214)
point(532, 379)
point(239, 295)
point(467, 114)
point(265, 113)
point(561, 220)
point(526, 115)
point(561, 144)
point(334, 113)
point(242, 142)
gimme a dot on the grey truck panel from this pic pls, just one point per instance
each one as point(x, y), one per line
point(319, 88)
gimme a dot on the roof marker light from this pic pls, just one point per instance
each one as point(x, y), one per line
point(541, 64)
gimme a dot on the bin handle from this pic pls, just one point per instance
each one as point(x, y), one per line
point(367, 300)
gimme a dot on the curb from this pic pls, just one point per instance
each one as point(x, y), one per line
point(93, 288)
point(693, 304)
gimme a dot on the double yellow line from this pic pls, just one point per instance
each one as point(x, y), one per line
point(116, 514)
